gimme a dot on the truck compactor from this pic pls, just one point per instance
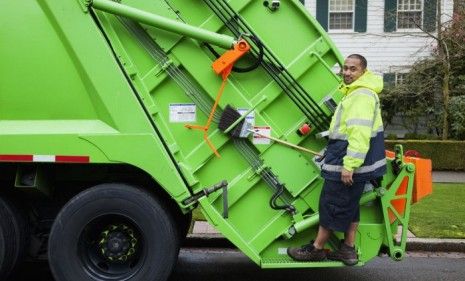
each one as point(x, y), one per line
point(110, 136)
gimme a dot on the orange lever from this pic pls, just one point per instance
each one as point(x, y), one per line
point(223, 65)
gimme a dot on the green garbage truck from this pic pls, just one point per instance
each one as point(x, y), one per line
point(110, 135)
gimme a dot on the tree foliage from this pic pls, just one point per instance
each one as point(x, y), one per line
point(457, 115)
point(421, 95)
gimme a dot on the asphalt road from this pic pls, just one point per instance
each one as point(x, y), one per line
point(230, 265)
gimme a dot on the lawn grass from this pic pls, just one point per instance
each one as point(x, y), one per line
point(441, 214)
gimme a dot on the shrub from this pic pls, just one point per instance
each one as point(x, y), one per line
point(446, 155)
point(391, 137)
point(415, 136)
point(457, 117)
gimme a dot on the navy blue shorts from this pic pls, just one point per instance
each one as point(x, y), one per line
point(339, 204)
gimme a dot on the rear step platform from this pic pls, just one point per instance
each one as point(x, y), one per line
point(287, 262)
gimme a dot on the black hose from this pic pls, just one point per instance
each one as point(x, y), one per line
point(237, 69)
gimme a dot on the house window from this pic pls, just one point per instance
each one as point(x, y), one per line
point(341, 14)
point(394, 78)
point(400, 78)
point(409, 14)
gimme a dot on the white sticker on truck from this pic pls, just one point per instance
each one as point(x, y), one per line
point(182, 112)
point(261, 130)
point(250, 117)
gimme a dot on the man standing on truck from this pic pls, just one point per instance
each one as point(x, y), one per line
point(354, 156)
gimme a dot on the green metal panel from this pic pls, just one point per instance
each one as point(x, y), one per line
point(361, 11)
point(61, 90)
point(390, 15)
point(429, 15)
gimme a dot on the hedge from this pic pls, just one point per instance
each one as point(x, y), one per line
point(446, 155)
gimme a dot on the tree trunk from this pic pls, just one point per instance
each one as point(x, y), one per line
point(444, 56)
point(445, 98)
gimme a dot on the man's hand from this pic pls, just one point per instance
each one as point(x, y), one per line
point(346, 177)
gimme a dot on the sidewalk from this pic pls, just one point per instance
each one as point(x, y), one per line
point(449, 177)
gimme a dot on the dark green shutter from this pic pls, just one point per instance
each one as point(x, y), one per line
point(322, 13)
point(360, 16)
point(429, 15)
point(389, 79)
point(302, 1)
point(390, 15)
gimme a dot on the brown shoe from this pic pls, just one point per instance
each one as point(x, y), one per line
point(345, 253)
point(307, 253)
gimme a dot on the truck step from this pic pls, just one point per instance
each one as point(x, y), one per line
point(287, 262)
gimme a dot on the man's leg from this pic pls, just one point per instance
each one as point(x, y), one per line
point(312, 252)
point(349, 237)
point(346, 252)
point(315, 252)
point(322, 237)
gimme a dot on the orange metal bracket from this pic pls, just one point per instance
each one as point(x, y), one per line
point(223, 65)
point(423, 180)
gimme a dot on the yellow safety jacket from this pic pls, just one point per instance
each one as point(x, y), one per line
point(356, 135)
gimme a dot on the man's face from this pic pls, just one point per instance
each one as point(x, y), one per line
point(352, 70)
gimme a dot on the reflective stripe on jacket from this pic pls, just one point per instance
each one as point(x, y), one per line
point(356, 135)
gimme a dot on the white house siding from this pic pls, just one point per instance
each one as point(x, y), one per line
point(385, 52)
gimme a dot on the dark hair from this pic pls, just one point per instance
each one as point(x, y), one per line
point(362, 59)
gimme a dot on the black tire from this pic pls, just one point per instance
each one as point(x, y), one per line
point(12, 237)
point(90, 239)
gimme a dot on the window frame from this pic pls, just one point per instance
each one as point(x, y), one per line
point(416, 29)
point(352, 30)
point(397, 80)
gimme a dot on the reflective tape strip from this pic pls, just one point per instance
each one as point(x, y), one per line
point(358, 155)
point(16, 158)
point(72, 159)
point(337, 136)
point(363, 169)
point(44, 158)
point(359, 122)
point(364, 91)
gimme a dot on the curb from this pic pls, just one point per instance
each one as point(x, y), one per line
point(413, 244)
point(436, 245)
point(210, 240)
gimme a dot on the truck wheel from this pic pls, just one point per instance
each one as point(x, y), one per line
point(113, 232)
point(12, 237)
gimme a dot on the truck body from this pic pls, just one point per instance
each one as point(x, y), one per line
point(101, 159)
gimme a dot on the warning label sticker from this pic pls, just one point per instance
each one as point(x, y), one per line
point(261, 132)
point(182, 112)
point(250, 117)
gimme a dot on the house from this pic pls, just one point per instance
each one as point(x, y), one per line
point(389, 33)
